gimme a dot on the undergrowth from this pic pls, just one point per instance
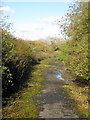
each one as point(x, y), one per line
point(23, 106)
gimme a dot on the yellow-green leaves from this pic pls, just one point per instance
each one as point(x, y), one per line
point(74, 53)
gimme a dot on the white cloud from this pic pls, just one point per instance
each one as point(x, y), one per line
point(41, 30)
point(6, 9)
point(51, 19)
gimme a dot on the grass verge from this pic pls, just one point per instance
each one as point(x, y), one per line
point(20, 106)
point(80, 95)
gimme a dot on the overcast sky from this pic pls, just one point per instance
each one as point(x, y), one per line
point(35, 20)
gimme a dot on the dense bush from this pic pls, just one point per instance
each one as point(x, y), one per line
point(74, 52)
point(17, 60)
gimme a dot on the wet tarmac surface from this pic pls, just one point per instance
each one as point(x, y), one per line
point(56, 103)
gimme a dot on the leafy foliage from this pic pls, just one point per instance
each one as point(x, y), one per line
point(15, 61)
point(18, 58)
point(74, 52)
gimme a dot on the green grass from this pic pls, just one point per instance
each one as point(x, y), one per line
point(21, 107)
point(80, 95)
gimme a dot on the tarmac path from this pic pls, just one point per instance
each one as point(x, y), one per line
point(56, 101)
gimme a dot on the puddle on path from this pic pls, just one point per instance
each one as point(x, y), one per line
point(58, 76)
point(57, 103)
